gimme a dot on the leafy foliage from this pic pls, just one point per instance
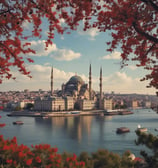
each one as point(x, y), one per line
point(133, 25)
point(43, 155)
point(151, 142)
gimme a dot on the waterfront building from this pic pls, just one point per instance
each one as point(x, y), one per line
point(22, 104)
point(85, 104)
point(74, 93)
point(148, 104)
point(69, 103)
point(108, 104)
point(135, 104)
point(78, 89)
point(49, 104)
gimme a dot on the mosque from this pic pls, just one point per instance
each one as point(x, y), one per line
point(74, 95)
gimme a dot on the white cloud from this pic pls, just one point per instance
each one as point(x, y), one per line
point(66, 55)
point(113, 55)
point(132, 67)
point(122, 83)
point(40, 48)
point(92, 33)
point(53, 51)
point(119, 82)
point(41, 75)
point(26, 25)
point(118, 78)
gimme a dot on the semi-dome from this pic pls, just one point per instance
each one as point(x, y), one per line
point(76, 80)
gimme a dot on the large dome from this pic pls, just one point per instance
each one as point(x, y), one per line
point(76, 80)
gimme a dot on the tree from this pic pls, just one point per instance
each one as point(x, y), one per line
point(151, 142)
point(133, 25)
point(29, 106)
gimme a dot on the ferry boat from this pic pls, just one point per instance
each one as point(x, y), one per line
point(18, 123)
point(141, 129)
point(122, 130)
point(111, 112)
point(75, 112)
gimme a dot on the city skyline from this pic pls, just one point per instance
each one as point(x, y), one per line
point(71, 54)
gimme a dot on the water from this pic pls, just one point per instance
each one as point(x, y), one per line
point(81, 133)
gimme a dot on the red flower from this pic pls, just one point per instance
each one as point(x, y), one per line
point(55, 150)
point(14, 140)
point(28, 162)
point(9, 161)
point(82, 163)
point(5, 147)
point(21, 154)
point(38, 159)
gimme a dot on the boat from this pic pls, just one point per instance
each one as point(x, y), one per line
point(125, 112)
point(75, 112)
point(122, 130)
point(45, 117)
point(111, 112)
point(141, 129)
point(18, 123)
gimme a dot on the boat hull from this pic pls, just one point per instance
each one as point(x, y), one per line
point(18, 123)
point(122, 130)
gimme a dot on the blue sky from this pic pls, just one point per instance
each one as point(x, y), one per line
point(72, 54)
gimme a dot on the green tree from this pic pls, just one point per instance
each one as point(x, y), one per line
point(106, 159)
point(151, 142)
point(29, 106)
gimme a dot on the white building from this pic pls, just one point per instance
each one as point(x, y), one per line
point(85, 104)
point(108, 104)
point(53, 104)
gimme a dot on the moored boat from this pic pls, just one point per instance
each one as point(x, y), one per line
point(75, 112)
point(122, 130)
point(18, 123)
point(111, 112)
point(125, 112)
point(141, 129)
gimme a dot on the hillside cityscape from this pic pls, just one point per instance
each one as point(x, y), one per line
point(75, 94)
point(15, 100)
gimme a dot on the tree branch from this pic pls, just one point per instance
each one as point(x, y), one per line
point(151, 3)
point(144, 34)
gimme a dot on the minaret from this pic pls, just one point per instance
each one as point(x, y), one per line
point(90, 83)
point(52, 82)
point(101, 94)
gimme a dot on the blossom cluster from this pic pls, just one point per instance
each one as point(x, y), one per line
point(42, 155)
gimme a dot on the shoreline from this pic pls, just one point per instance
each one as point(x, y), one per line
point(66, 113)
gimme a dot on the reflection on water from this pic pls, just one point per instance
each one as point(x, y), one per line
point(74, 127)
point(81, 133)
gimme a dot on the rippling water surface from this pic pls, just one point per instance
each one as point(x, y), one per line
point(81, 133)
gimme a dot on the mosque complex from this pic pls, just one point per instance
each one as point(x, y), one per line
point(74, 95)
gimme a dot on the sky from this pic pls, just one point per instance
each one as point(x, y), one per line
point(72, 54)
